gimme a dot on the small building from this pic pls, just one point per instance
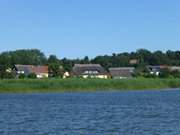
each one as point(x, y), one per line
point(174, 68)
point(155, 70)
point(89, 71)
point(121, 72)
point(40, 71)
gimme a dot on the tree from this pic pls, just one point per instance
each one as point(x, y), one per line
point(4, 74)
point(159, 58)
point(141, 70)
point(143, 55)
point(85, 60)
point(53, 59)
point(25, 57)
point(164, 73)
point(68, 64)
point(105, 61)
point(55, 67)
point(175, 74)
point(55, 70)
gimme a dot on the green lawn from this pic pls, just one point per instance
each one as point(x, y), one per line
point(84, 85)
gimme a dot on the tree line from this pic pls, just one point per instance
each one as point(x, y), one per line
point(58, 66)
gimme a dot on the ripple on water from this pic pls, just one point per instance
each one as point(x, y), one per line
point(112, 113)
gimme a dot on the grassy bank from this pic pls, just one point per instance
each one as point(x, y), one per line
point(83, 85)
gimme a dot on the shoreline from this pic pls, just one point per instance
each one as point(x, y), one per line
point(85, 85)
point(90, 92)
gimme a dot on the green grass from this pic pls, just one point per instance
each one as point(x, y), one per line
point(84, 85)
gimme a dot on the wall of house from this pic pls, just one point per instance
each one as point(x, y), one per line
point(121, 77)
point(102, 76)
point(95, 76)
point(42, 75)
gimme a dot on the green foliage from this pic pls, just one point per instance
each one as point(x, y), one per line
point(164, 73)
point(143, 56)
point(53, 59)
point(68, 64)
point(22, 76)
point(141, 70)
point(54, 66)
point(148, 75)
point(85, 60)
point(4, 74)
point(175, 74)
point(32, 76)
point(84, 85)
point(55, 70)
point(105, 61)
point(26, 57)
point(7, 75)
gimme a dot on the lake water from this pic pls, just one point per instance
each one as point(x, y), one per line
point(108, 113)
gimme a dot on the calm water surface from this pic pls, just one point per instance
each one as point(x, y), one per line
point(110, 113)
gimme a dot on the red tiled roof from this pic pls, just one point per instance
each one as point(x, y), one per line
point(40, 69)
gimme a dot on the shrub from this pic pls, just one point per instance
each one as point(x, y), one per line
point(32, 76)
point(22, 76)
point(7, 75)
point(175, 74)
point(164, 73)
point(148, 75)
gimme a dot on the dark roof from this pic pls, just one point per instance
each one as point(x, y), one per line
point(156, 68)
point(88, 69)
point(121, 71)
point(40, 69)
point(27, 69)
point(159, 67)
point(31, 69)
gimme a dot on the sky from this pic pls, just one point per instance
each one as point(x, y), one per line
point(78, 28)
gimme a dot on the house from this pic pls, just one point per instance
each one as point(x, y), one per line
point(40, 71)
point(174, 68)
point(121, 72)
point(156, 69)
point(89, 71)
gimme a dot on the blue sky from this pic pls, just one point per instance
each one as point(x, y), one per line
point(76, 28)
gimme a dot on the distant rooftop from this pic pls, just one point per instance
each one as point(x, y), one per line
point(121, 71)
point(32, 69)
point(122, 68)
point(88, 69)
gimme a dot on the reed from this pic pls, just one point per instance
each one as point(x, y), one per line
point(84, 85)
